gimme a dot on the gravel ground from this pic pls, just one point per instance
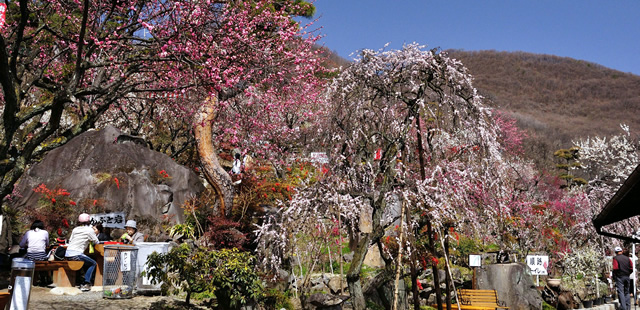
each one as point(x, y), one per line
point(42, 298)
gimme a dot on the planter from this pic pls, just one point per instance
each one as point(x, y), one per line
point(598, 301)
point(553, 282)
point(587, 303)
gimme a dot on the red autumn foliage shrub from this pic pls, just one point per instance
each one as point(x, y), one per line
point(223, 233)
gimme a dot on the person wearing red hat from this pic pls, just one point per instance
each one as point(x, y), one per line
point(80, 238)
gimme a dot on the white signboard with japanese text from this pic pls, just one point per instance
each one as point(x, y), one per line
point(475, 260)
point(125, 261)
point(319, 157)
point(111, 220)
point(538, 264)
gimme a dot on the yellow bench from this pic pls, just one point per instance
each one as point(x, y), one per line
point(479, 299)
point(64, 271)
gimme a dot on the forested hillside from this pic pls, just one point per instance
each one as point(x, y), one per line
point(556, 99)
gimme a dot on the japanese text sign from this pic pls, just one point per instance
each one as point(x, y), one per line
point(538, 264)
point(125, 261)
point(112, 220)
point(319, 157)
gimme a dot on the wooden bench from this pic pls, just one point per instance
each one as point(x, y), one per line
point(479, 299)
point(64, 271)
point(4, 299)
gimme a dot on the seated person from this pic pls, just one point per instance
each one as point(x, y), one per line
point(99, 230)
point(132, 236)
point(80, 238)
point(36, 241)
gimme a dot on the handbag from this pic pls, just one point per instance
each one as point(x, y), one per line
point(60, 253)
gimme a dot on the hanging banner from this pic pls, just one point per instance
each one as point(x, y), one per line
point(378, 154)
point(111, 220)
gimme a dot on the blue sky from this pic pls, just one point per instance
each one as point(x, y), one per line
point(603, 32)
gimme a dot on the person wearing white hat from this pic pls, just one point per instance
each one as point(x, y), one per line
point(78, 243)
point(622, 268)
point(132, 236)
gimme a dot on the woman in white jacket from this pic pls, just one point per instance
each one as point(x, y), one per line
point(80, 238)
point(36, 241)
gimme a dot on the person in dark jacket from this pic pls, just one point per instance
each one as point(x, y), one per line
point(99, 230)
point(622, 268)
point(6, 240)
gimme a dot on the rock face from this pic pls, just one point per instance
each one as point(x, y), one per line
point(373, 257)
point(512, 282)
point(106, 171)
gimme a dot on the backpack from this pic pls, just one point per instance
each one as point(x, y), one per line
point(59, 253)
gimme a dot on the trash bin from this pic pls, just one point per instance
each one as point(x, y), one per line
point(21, 280)
point(120, 271)
point(145, 249)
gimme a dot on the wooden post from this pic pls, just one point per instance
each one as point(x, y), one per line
point(474, 285)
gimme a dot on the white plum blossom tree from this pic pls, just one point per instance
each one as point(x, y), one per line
point(405, 130)
point(608, 162)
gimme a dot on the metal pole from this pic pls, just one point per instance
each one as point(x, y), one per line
point(634, 259)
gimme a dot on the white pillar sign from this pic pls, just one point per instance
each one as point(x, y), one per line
point(125, 261)
point(538, 264)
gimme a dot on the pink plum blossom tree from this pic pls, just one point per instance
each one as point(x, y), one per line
point(238, 67)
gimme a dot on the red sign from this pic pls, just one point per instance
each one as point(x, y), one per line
point(3, 10)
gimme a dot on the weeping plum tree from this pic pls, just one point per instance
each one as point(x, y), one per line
point(66, 66)
point(404, 127)
point(608, 162)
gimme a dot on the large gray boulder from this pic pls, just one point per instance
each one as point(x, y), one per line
point(88, 166)
point(513, 284)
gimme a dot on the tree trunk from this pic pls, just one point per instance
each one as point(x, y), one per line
point(399, 266)
point(213, 172)
point(355, 290)
point(353, 274)
point(447, 273)
point(434, 267)
point(436, 277)
point(414, 268)
point(360, 251)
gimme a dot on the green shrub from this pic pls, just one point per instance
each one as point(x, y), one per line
point(228, 273)
point(276, 300)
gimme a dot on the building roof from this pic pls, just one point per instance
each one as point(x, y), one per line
point(623, 205)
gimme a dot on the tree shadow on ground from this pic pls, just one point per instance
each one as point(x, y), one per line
point(179, 305)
